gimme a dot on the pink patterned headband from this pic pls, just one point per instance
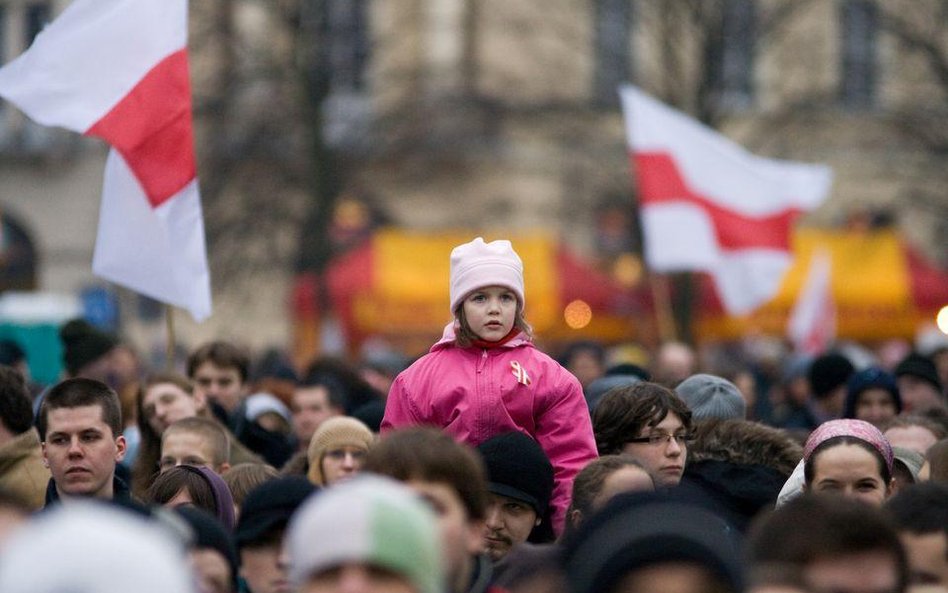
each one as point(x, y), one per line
point(849, 428)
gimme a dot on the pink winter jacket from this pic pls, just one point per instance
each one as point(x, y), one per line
point(475, 394)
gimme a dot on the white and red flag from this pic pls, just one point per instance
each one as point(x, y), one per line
point(118, 69)
point(812, 323)
point(707, 204)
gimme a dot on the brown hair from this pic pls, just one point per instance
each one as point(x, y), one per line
point(430, 455)
point(149, 449)
point(168, 484)
point(811, 528)
point(937, 456)
point(909, 420)
point(244, 477)
point(589, 481)
point(624, 411)
point(78, 392)
point(211, 431)
point(221, 354)
point(465, 336)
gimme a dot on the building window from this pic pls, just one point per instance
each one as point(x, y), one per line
point(19, 135)
point(348, 44)
point(859, 28)
point(731, 56)
point(346, 51)
point(38, 15)
point(613, 54)
point(3, 38)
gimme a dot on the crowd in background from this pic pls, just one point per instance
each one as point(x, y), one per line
point(242, 475)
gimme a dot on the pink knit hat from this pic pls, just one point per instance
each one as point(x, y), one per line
point(850, 428)
point(478, 264)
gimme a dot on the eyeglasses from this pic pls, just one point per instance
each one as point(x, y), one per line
point(340, 454)
point(663, 438)
point(167, 463)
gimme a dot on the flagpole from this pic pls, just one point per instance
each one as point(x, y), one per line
point(661, 296)
point(169, 346)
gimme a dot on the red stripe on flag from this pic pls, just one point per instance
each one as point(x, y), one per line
point(660, 181)
point(151, 128)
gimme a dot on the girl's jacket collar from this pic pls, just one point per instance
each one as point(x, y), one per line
point(449, 336)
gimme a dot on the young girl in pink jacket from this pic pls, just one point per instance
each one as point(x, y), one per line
point(485, 377)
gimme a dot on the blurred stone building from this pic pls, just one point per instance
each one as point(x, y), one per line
point(492, 115)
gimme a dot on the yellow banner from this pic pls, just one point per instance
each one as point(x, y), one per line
point(412, 270)
point(871, 286)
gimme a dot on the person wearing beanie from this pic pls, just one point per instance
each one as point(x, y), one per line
point(259, 533)
point(337, 450)
point(644, 542)
point(710, 396)
point(371, 530)
point(520, 484)
point(906, 468)
point(211, 551)
point(485, 377)
point(86, 350)
point(827, 376)
point(94, 548)
point(919, 385)
point(872, 395)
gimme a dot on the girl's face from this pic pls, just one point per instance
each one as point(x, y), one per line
point(340, 463)
point(490, 312)
point(849, 470)
point(875, 405)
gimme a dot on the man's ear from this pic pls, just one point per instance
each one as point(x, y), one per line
point(223, 468)
point(200, 400)
point(121, 447)
point(575, 517)
point(45, 458)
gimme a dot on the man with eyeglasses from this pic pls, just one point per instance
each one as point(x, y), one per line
point(195, 441)
point(649, 423)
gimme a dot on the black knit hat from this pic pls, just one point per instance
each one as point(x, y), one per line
point(828, 372)
point(872, 377)
point(919, 366)
point(635, 531)
point(210, 533)
point(83, 343)
point(518, 468)
point(269, 506)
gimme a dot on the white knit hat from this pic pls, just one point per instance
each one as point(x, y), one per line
point(478, 264)
point(89, 547)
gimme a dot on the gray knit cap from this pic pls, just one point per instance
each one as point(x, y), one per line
point(912, 460)
point(710, 396)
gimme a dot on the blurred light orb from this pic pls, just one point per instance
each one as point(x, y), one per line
point(627, 269)
point(942, 319)
point(577, 314)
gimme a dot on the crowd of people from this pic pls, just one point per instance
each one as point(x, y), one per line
point(485, 465)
